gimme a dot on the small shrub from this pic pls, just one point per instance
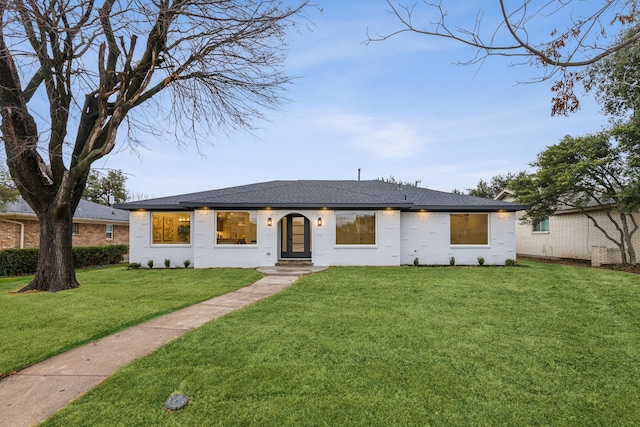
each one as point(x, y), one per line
point(16, 262)
point(86, 256)
point(416, 261)
point(480, 261)
point(187, 263)
point(452, 261)
point(510, 263)
point(167, 263)
point(150, 263)
point(134, 266)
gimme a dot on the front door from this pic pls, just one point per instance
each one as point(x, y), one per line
point(296, 237)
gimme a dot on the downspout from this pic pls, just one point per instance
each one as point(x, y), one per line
point(21, 230)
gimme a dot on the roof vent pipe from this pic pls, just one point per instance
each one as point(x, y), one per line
point(358, 174)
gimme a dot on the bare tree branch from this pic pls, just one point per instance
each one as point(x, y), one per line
point(582, 40)
point(219, 62)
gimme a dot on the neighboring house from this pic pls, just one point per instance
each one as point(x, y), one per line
point(569, 234)
point(322, 222)
point(93, 225)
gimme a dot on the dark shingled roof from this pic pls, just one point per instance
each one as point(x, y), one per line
point(86, 210)
point(325, 194)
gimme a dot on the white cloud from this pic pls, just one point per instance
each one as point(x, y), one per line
point(377, 137)
point(394, 140)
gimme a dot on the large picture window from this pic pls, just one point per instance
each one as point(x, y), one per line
point(469, 229)
point(356, 228)
point(169, 228)
point(236, 228)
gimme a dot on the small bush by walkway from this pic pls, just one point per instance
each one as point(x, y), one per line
point(536, 345)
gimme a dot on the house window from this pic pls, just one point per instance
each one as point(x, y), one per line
point(109, 232)
point(542, 226)
point(236, 228)
point(170, 228)
point(469, 229)
point(356, 228)
point(74, 229)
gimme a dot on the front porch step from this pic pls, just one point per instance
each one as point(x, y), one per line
point(294, 263)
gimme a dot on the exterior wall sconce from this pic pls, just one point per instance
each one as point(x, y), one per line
point(269, 222)
point(319, 222)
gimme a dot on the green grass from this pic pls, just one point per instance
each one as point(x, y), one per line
point(34, 326)
point(536, 345)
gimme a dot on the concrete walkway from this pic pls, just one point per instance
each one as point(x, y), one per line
point(32, 395)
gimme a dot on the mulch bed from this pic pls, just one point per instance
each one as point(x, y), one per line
point(622, 267)
point(585, 263)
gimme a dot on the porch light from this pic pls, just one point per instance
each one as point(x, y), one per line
point(269, 222)
point(319, 222)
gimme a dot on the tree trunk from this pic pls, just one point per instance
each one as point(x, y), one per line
point(55, 270)
point(632, 256)
point(632, 253)
point(628, 234)
point(624, 242)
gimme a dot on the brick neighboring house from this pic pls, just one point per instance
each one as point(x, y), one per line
point(93, 225)
point(569, 234)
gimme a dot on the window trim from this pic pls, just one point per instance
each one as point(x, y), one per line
point(109, 234)
point(471, 245)
point(356, 245)
point(247, 244)
point(533, 229)
point(75, 229)
point(169, 244)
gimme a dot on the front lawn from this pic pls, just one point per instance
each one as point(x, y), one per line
point(34, 326)
point(533, 345)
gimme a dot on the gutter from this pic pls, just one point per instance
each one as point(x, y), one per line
point(21, 230)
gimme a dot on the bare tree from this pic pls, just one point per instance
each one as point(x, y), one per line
point(585, 35)
point(77, 69)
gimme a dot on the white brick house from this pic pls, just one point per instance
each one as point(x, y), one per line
point(323, 222)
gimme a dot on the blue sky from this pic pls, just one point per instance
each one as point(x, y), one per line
point(397, 108)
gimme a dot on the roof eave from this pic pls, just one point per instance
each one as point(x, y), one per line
point(133, 206)
point(33, 217)
point(185, 206)
point(336, 206)
point(470, 208)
